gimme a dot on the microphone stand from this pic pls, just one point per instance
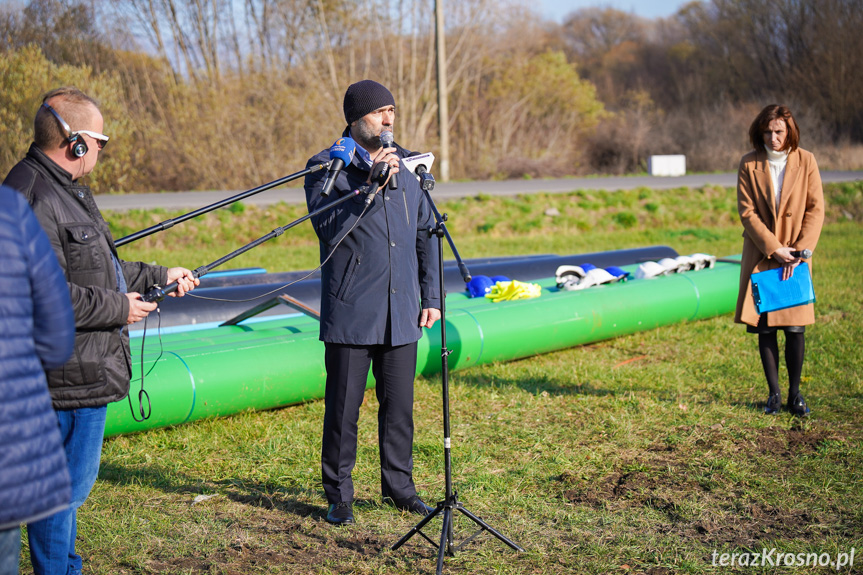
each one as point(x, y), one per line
point(450, 504)
point(158, 293)
point(169, 223)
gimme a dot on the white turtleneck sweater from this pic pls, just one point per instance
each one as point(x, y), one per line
point(777, 161)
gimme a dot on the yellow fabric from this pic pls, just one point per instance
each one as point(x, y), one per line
point(512, 290)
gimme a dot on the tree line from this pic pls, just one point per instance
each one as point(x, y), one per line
point(229, 94)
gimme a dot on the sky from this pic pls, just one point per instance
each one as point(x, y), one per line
point(557, 9)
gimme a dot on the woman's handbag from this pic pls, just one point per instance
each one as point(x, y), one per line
point(771, 293)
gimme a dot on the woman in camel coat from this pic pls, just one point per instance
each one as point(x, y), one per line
point(781, 206)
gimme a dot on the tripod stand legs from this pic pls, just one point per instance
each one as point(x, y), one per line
point(450, 503)
point(446, 536)
point(418, 528)
point(485, 526)
point(446, 547)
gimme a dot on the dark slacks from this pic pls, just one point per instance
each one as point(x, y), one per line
point(347, 373)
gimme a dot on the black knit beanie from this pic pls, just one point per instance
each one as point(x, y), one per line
point(365, 96)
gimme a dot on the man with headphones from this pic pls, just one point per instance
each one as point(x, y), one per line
point(105, 293)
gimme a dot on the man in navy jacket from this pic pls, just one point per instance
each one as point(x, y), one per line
point(379, 288)
point(37, 332)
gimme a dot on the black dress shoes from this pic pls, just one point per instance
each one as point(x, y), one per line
point(798, 406)
point(341, 513)
point(413, 504)
point(774, 403)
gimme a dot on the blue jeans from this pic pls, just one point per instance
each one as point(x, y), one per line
point(52, 540)
point(10, 548)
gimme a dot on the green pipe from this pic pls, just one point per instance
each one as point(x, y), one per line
point(278, 363)
point(220, 380)
point(295, 323)
point(560, 319)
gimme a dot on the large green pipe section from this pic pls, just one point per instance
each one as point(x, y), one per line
point(559, 319)
point(220, 380)
point(230, 369)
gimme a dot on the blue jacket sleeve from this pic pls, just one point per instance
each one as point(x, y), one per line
point(53, 319)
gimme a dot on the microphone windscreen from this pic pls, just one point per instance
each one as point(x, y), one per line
point(387, 139)
point(343, 149)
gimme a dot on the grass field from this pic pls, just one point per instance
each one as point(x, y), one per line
point(643, 454)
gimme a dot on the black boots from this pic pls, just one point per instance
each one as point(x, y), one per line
point(774, 403)
point(798, 406)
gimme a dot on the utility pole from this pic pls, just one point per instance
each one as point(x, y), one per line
point(442, 106)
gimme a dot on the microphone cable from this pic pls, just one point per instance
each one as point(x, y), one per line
point(142, 394)
point(289, 284)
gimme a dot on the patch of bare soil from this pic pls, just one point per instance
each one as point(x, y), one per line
point(790, 443)
point(273, 542)
point(668, 479)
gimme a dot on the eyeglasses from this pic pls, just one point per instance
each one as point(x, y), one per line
point(101, 139)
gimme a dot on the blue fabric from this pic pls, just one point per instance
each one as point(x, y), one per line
point(617, 272)
point(385, 270)
point(52, 540)
point(478, 286)
point(121, 280)
point(10, 549)
point(37, 331)
point(364, 156)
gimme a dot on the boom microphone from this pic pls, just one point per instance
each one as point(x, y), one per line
point(387, 141)
point(805, 254)
point(341, 153)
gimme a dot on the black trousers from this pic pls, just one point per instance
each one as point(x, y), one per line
point(347, 373)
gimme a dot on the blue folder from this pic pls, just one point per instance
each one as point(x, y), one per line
point(771, 293)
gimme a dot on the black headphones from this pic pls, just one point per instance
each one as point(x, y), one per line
point(79, 146)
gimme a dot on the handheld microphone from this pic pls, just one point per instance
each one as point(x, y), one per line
point(805, 254)
point(341, 153)
point(387, 141)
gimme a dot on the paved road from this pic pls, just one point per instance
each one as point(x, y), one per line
point(194, 200)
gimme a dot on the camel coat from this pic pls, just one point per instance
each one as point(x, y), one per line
point(797, 225)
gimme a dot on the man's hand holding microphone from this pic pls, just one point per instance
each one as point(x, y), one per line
point(385, 166)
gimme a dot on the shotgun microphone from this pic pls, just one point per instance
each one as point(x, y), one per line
point(387, 141)
point(341, 153)
point(805, 254)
